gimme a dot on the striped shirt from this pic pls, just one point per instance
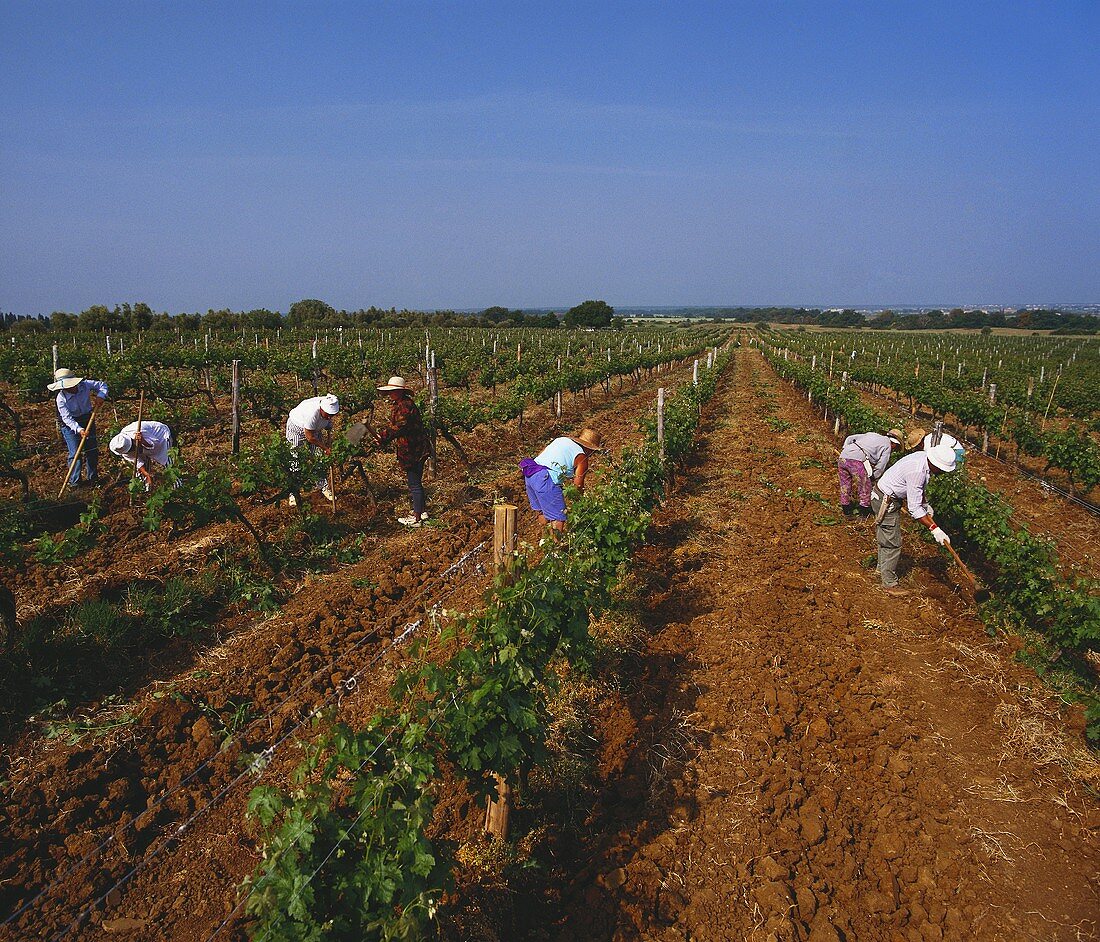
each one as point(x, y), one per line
point(906, 480)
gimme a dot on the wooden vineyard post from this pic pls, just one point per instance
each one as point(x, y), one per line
point(498, 810)
point(236, 407)
point(55, 357)
point(433, 398)
point(661, 421)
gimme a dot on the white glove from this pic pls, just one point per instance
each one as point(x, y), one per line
point(940, 537)
point(868, 467)
point(148, 487)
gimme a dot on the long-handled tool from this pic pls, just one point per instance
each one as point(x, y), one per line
point(331, 475)
point(980, 595)
point(79, 449)
point(137, 440)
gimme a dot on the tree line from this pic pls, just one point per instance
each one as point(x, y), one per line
point(309, 312)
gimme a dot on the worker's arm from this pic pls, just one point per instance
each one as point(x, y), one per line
point(315, 439)
point(937, 531)
point(580, 469)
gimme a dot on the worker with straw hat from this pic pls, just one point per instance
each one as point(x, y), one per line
point(305, 426)
point(144, 444)
point(77, 399)
point(905, 483)
point(563, 459)
point(407, 433)
point(862, 461)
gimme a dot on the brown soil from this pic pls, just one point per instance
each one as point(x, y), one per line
point(167, 791)
point(793, 756)
point(804, 757)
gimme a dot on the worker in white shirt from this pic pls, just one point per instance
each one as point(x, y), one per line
point(905, 483)
point(306, 425)
point(862, 461)
point(939, 437)
point(152, 444)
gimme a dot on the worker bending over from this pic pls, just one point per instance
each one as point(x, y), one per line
point(306, 425)
point(906, 483)
point(862, 461)
point(153, 443)
point(563, 459)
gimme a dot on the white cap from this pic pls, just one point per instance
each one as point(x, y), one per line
point(942, 456)
point(329, 404)
point(121, 444)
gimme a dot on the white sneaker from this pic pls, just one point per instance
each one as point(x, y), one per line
point(328, 495)
point(292, 500)
point(424, 516)
point(409, 521)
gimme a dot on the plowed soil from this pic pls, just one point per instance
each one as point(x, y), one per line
point(159, 806)
point(798, 756)
point(808, 758)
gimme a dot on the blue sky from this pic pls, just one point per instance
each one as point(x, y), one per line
point(466, 154)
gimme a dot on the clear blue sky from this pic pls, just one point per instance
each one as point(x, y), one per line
point(243, 155)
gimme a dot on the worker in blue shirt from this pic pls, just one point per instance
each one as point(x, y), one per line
point(76, 398)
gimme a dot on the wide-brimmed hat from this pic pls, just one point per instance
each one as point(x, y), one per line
point(121, 444)
point(589, 439)
point(329, 404)
point(64, 379)
point(943, 457)
point(395, 383)
point(915, 437)
point(895, 435)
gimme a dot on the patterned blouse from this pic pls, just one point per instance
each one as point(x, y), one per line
point(406, 430)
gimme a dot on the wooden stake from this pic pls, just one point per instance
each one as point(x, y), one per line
point(498, 810)
point(236, 415)
point(661, 421)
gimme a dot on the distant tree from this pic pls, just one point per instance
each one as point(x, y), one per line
point(62, 320)
point(137, 317)
point(98, 317)
point(261, 317)
point(590, 314)
point(309, 311)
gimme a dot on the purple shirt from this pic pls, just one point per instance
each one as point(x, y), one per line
point(906, 481)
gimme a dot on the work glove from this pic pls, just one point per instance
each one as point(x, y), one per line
point(868, 468)
point(148, 487)
point(940, 537)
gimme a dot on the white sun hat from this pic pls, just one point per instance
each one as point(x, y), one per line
point(396, 382)
point(329, 404)
point(943, 457)
point(121, 444)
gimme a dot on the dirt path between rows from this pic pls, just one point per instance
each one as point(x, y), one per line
point(810, 758)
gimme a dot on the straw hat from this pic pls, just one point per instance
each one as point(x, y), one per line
point(590, 440)
point(64, 379)
point(895, 435)
point(915, 437)
point(329, 404)
point(395, 383)
point(942, 456)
